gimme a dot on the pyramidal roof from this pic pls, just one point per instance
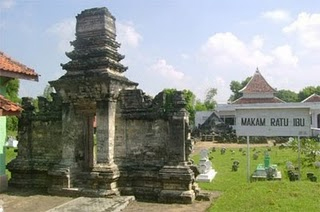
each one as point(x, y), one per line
point(312, 98)
point(258, 84)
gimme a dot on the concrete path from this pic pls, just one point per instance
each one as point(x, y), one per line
point(84, 204)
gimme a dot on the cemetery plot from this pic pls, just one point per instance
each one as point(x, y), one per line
point(253, 195)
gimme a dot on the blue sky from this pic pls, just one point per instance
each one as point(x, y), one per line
point(179, 44)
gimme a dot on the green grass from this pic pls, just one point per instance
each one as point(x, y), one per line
point(239, 195)
point(10, 154)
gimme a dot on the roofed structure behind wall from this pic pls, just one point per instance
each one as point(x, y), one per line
point(258, 84)
point(312, 98)
point(8, 108)
point(257, 90)
point(13, 69)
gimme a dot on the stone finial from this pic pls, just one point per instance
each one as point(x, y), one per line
point(179, 100)
point(96, 19)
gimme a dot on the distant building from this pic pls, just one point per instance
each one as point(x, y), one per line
point(258, 93)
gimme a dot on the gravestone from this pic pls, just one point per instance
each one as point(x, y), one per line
point(223, 150)
point(207, 173)
point(235, 166)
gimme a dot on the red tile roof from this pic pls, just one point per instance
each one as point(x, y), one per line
point(13, 69)
point(8, 108)
point(243, 100)
point(312, 98)
point(258, 84)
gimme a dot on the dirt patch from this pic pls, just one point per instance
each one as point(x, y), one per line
point(199, 206)
point(207, 145)
point(23, 200)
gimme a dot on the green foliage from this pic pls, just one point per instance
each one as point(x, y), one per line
point(287, 96)
point(189, 98)
point(12, 90)
point(209, 102)
point(47, 92)
point(199, 106)
point(307, 91)
point(235, 87)
point(12, 123)
point(309, 147)
point(10, 155)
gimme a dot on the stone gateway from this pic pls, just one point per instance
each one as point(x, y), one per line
point(100, 135)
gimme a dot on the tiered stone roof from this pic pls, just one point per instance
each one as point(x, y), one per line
point(312, 98)
point(8, 108)
point(257, 90)
point(95, 47)
point(13, 69)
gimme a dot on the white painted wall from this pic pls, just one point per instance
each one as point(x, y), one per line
point(271, 129)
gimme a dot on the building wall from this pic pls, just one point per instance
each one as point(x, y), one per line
point(258, 95)
point(143, 141)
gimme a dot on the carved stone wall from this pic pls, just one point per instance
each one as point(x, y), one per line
point(39, 147)
point(138, 146)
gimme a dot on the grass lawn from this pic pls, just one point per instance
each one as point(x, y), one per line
point(238, 195)
point(10, 154)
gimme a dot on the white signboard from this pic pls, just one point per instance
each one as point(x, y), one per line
point(273, 122)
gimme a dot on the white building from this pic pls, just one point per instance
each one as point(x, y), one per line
point(259, 94)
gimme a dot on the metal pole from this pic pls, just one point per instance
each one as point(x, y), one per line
point(248, 160)
point(299, 157)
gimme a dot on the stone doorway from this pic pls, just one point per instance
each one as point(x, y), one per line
point(89, 143)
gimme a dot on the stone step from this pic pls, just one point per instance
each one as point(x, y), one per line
point(84, 204)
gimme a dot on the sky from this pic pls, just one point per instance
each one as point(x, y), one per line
point(182, 44)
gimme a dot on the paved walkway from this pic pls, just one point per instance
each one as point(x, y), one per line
point(85, 204)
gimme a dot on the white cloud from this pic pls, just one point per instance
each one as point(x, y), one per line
point(257, 42)
point(127, 34)
point(167, 71)
point(307, 28)
point(285, 55)
point(65, 32)
point(226, 49)
point(185, 56)
point(276, 15)
point(7, 4)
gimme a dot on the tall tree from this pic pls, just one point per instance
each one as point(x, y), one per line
point(188, 96)
point(307, 91)
point(235, 87)
point(12, 90)
point(287, 95)
point(47, 92)
point(210, 102)
point(200, 106)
